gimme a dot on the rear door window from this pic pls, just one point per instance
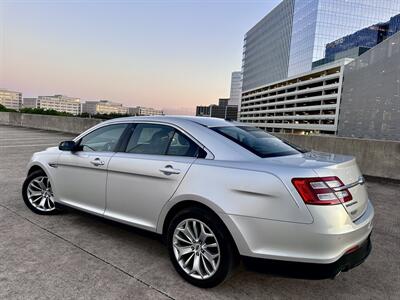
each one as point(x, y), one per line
point(150, 139)
point(158, 139)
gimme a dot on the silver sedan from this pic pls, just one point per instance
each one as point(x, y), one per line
point(216, 191)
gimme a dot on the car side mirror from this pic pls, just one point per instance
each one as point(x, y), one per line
point(68, 146)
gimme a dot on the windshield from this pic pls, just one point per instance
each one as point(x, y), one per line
point(257, 141)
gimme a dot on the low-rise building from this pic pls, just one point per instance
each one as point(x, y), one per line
point(103, 107)
point(29, 103)
point(60, 103)
point(223, 110)
point(11, 99)
point(144, 111)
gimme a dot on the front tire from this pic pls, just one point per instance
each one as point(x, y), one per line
point(200, 247)
point(38, 194)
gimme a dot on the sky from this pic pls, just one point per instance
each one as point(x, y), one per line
point(170, 55)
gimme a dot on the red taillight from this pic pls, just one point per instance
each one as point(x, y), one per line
point(321, 190)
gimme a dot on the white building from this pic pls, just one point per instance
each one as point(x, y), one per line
point(11, 99)
point(60, 103)
point(305, 103)
point(144, 111)
point(236, 88)
point(103, 107)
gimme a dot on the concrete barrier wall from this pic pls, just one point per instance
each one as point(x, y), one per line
point(57, 123)
point(375, 157)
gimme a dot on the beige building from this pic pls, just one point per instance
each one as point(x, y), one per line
point(103, 107)
point(11, 99)
point(144, 111)
point(60, 103)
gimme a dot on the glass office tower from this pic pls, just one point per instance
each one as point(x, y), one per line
point(319, 22)
point(296, 32)
point(266, 47)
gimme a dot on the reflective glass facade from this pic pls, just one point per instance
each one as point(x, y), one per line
point(295, 33)
point(319, 22)
point(266, 47)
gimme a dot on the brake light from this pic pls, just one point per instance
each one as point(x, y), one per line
point(322, 190)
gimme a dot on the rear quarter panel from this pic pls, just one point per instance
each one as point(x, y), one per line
point(240, 191)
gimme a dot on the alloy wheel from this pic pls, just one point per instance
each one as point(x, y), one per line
point(40, 194)
point(196, 249)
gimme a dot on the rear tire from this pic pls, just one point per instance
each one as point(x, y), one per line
point(201, 248)
point(38, 195)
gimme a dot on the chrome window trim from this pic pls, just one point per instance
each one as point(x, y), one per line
point(209, 156)
point(90, 130)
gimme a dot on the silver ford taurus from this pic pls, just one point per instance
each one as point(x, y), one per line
point(215, 190)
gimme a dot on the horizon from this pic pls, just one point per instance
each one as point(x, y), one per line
point(169, 55)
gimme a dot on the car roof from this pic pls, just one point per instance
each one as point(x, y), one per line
point(205, 121)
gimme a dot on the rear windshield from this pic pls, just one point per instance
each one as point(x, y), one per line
point(257, 141)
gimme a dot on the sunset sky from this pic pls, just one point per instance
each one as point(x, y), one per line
point(171, 55)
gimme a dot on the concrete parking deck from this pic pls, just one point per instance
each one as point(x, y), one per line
point(76, 255)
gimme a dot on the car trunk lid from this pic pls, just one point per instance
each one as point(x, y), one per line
point(328, 165)
point(349, 173)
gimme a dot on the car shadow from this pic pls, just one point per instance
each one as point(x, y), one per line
point(264, 266)
point(286, 269)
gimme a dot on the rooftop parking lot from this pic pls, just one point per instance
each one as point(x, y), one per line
point(76, 255)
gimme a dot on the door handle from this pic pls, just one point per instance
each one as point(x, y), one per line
point(97, 162)
point(168, 170)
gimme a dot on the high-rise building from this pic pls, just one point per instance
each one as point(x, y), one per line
point(236, 88)
point(144, 111)
point(103, 107)
point(266, 47)
point(11, 99)
point(29, 102)
point(349, 98)
point(294, 34)
point(60, 103)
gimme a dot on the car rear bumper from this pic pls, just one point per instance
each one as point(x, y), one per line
point(353, 259)
point(325, 241)
point(311, 270)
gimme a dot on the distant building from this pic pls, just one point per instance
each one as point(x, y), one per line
point(103, 107)
point(223, 102)
point(144, 111)
point(203, 111)
point(294, 34)
point(236, 88)
point(29, 103)
point(11, 99)
point(60, 103)
point(223, 110)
